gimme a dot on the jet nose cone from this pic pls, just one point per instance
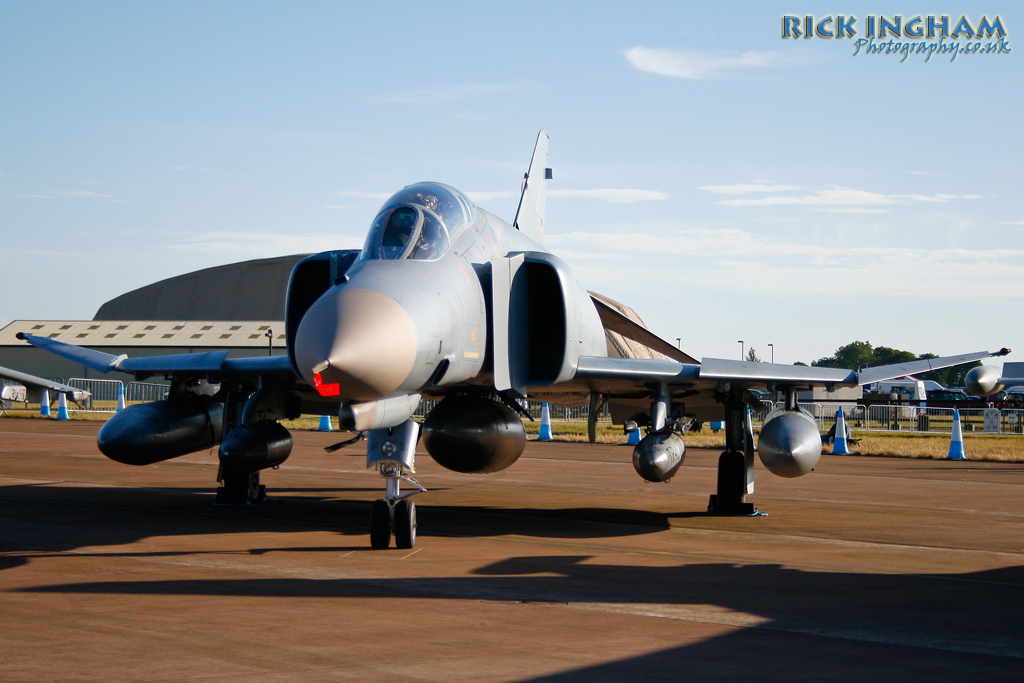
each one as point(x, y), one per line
point(982, 381)
point(356, 344)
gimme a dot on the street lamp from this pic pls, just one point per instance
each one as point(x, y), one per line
point(772, 347)
point(678, 345)
point(740, 342)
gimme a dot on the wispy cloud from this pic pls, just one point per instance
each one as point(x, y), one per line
point(1012, 223)
point(830, 198)
point(931, 173)
point(613, 196)
point(335, 206)
point(76, 194)
point(751, 262)
point(262, 244)
point(749, 188)
point(694, 65)
point(449, 93)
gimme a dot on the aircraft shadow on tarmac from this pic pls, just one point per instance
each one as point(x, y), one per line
point(78, 517)
point(792, 623)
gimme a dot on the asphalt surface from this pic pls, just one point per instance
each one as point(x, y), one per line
point(565, 567)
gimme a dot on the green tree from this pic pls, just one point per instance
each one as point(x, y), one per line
point(883, 355)
point(752, 356)
point(855, 355)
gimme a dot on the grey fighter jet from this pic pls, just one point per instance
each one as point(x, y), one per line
point(447, 301)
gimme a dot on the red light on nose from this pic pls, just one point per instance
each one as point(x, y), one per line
point(325, 389)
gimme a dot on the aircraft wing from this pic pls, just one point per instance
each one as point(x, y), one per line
point(197, 363)
point(75, 394)
point(625, 376)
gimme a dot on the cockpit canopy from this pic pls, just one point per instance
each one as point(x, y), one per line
point(419, 222)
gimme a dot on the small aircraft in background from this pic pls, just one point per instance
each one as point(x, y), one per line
point(32, 389)
point(447, 301)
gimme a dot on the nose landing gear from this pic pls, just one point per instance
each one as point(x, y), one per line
point(393, 452)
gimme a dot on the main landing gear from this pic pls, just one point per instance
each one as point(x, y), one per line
point(240, 488)
point(393, 452)
point(736, 464)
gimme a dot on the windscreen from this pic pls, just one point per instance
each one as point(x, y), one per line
point(419, 222)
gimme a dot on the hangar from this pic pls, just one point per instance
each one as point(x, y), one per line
point(239, 306)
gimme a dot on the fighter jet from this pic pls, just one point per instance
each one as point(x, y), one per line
point(447, 301)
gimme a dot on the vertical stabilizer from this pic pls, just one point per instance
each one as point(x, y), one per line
point(530, 215)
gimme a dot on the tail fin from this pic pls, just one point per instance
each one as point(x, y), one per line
point(530, 214)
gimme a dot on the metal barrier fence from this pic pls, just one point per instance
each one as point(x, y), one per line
point(103, 395)
point(144, 392)
point(103, 392)
point(911, 419)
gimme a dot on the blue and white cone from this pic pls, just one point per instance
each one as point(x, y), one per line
point(44, 406)
point(839, 446)
point(956, 440)
point(62, 407)
point(634, 437)
point(120, 397)
point(545, 424)
point(325, 424)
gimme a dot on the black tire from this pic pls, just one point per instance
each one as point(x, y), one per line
point(380, 525)
point(405, 524)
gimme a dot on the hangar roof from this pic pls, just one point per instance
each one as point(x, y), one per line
point(248, 290)
point(176, 333)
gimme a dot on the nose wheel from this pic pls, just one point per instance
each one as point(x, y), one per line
point(399, 517)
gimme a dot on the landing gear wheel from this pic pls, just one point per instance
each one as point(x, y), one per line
point(241, 488)
point(405, 524)
point(380, 525)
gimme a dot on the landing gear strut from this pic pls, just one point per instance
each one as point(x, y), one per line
point(736, 464)
point(393, 452)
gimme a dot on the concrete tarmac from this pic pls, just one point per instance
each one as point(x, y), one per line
point(565, 567)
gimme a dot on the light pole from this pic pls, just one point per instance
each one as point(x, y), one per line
point(678, 345)
point(772, 347)
point(740, 342)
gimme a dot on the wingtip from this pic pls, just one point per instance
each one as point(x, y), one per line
point(22, 336)
point(1002, 352)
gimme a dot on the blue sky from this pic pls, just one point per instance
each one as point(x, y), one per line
point(726, 183)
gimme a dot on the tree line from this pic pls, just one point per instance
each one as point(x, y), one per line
point(861, 354)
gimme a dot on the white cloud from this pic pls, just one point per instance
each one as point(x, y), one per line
point(1012, 223)
point(76, 194)
point(837, 197)
point(696, 65)
point(749, 188)
point(687, 259)
point(80, 193)
point(263, 244)
point(613, 196)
